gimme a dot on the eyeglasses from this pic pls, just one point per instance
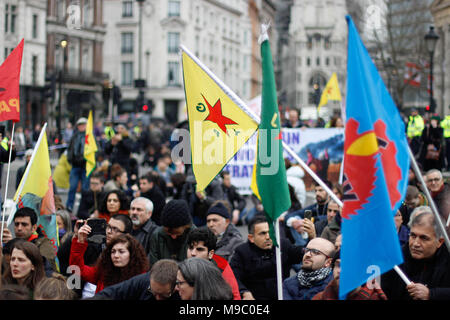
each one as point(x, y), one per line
point(434, 180)
point(314, 252)
point(160, 295)
point(113, 229)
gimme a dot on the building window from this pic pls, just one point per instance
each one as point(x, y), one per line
point(34, 68)
point(318, 61)
point(327, 61)
point(88, 17)
point(10, 18)
point(174, 8)
point(308, 61)
point(61, 10)
point(172, 74)
point(127, 73)
point(34, 31)
point(173, 42)
point(127, 42)
point(127, 8)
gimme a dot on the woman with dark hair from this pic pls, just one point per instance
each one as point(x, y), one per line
point(123, 258)
point(200, 279)
point(26, 267)
point(114, 202)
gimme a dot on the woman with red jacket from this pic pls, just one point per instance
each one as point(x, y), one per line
point(123, 258)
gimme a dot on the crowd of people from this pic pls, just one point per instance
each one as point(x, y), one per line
point(160, 239)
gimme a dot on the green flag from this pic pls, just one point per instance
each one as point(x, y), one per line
point(270, 169)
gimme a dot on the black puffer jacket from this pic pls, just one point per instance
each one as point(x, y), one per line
point(255, 268)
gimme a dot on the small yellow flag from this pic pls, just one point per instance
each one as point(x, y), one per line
point(331, 91)
point(218, 126)
point(90, 146)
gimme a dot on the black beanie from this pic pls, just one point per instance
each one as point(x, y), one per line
point(175, 214)
point(220, 209)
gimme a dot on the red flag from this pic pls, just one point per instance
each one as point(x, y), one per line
point(9, 85)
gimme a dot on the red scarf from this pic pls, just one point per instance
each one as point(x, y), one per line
point(435, 193)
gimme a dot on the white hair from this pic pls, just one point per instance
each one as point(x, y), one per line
point(147, 203)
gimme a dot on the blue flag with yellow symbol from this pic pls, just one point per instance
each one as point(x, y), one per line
point(376, 165)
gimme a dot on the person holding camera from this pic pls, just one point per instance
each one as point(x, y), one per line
point(123, 258)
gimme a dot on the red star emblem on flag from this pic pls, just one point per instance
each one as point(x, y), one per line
point(216, 116)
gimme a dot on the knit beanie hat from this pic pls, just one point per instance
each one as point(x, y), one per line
point(175, 214)
point(220, 209)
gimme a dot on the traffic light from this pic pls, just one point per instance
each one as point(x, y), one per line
point(50, 86)
point(140, 101)
point(427, 108)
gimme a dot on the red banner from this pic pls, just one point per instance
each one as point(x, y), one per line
point(9, 85)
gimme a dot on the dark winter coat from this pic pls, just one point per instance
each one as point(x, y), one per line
point(255, 268)
point(144, 233)
point(229, 241)
point(162, 246)
point(293, 291)
point(433, 272)
point(159, 201)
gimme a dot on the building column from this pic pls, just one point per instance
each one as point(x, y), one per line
point(159, 108)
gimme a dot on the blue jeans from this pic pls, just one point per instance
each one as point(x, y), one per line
point(76, 175)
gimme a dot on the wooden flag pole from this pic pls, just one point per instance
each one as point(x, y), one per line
point(7, 181)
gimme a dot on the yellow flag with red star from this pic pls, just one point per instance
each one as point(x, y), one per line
point(218, 125)
point(90, 146)
point(331, 91)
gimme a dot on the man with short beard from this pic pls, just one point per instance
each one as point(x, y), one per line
point(315, 273)
point(140, 213)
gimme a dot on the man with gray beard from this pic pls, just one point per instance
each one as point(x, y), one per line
point(141, 210)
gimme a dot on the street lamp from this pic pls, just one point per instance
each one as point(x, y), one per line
point(431, 39)
point(63, 45)
point(140, 83)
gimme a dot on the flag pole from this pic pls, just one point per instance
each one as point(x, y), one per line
point(7, 180)
point(235, 98)
point(27, 170)
point(430, 199)
point(278, 260)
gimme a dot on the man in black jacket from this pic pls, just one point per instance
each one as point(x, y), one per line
point(254, 262)
point(426, 263)
point(232, 195)
point(157, 284)
point(140, 213)
point(148, 189)
point(91, 199)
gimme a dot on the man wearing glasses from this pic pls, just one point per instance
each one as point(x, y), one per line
point(315, 274)
point(440, 192)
